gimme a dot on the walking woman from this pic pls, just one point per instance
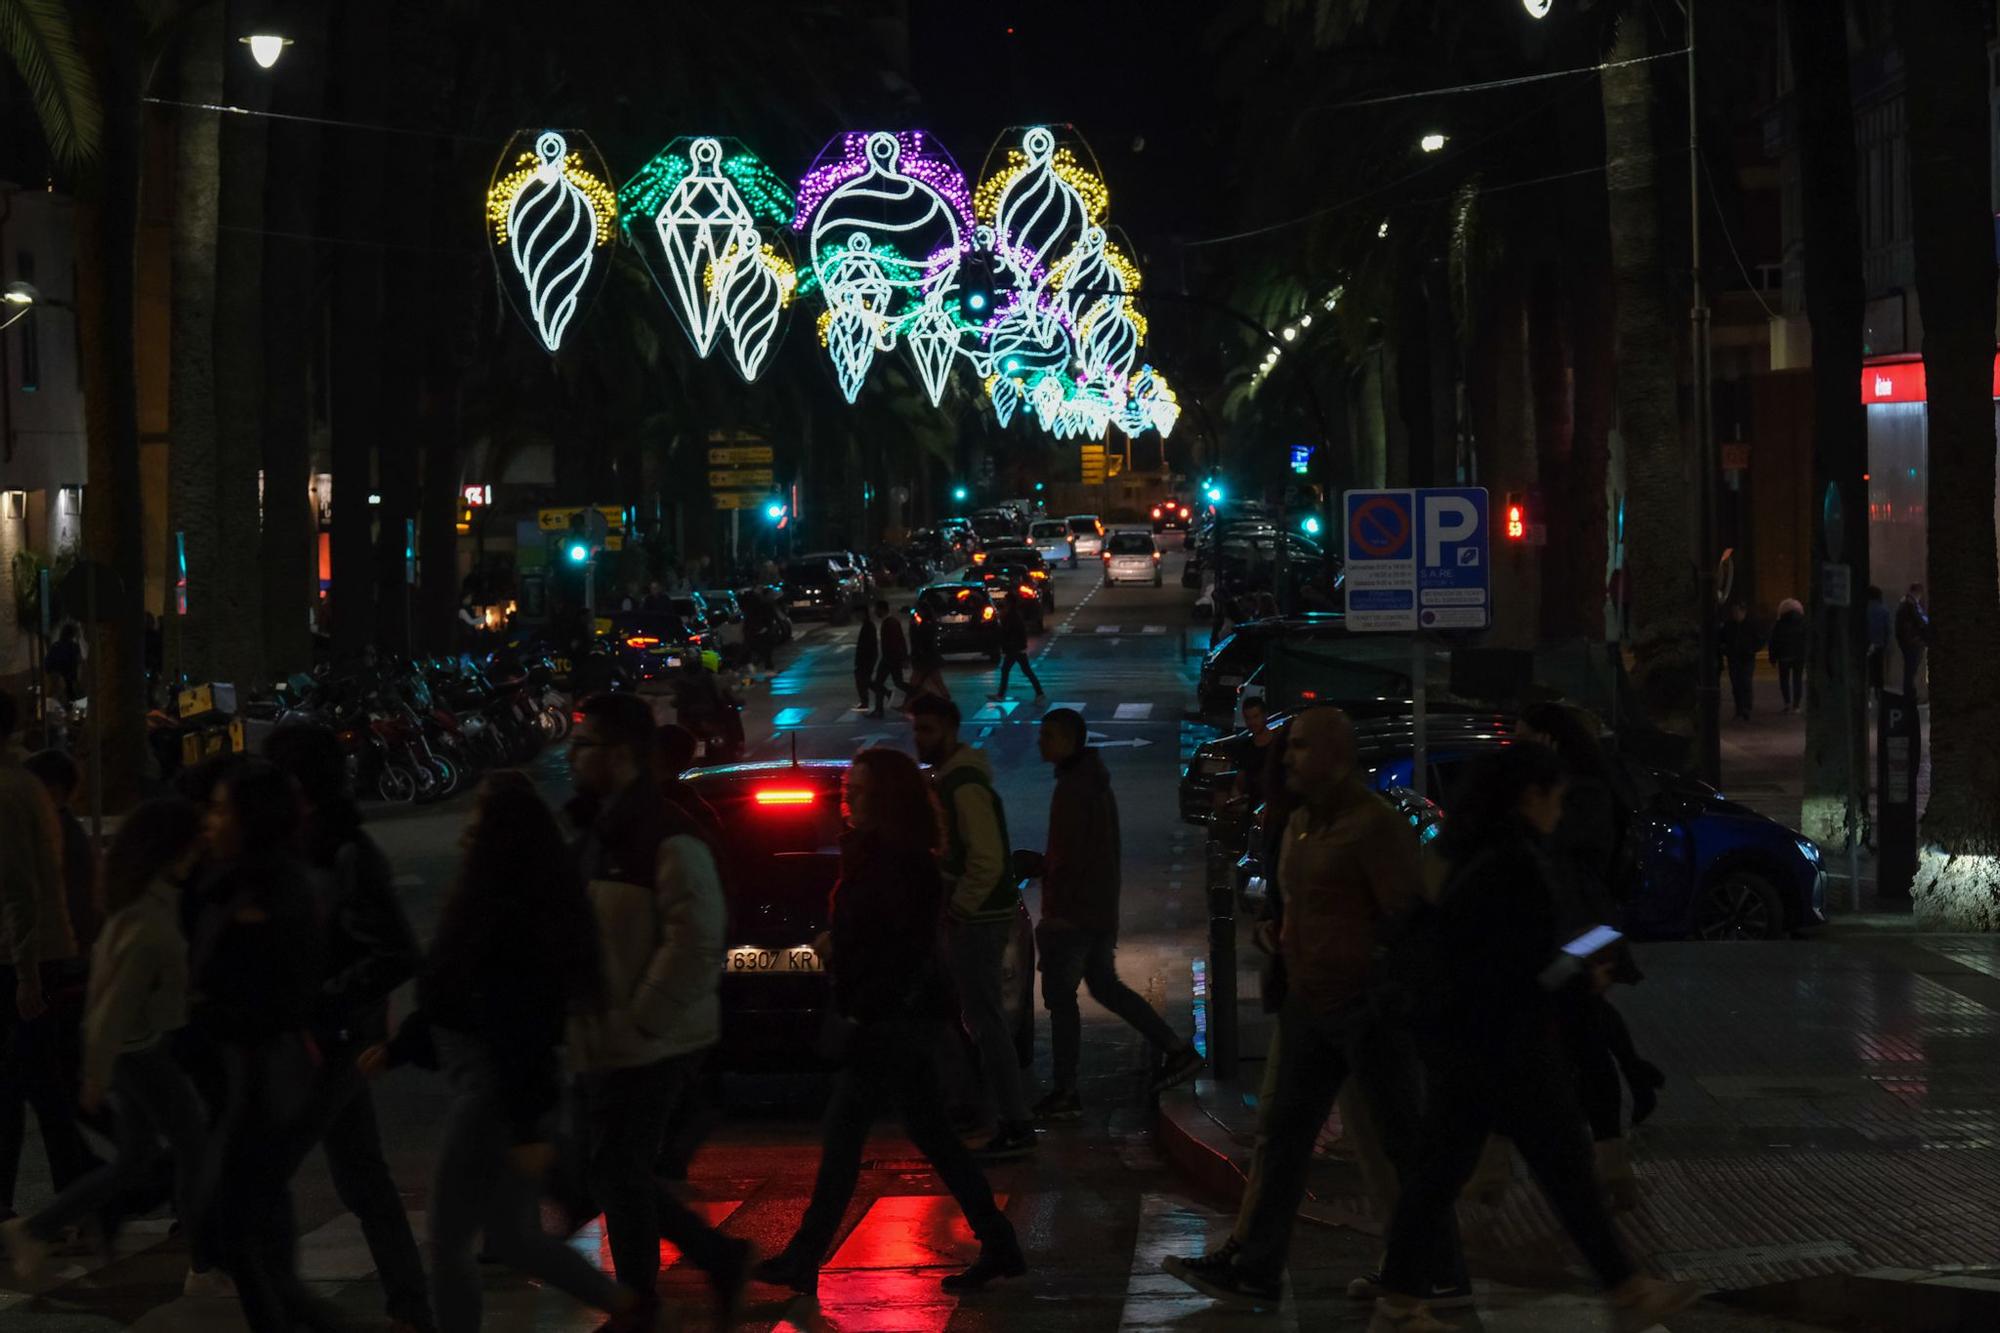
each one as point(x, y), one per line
point(892, 998)
point(1498, 1062)
point(257, 960)
point(516, 952)
point(137, 997)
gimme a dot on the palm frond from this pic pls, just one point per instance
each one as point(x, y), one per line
point(40, 40)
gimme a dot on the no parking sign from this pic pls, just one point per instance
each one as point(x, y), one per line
point(1418, 559)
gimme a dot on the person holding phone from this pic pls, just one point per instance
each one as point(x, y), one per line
point(1497, 1062)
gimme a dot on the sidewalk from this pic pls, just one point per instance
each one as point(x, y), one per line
point(1824, 1145)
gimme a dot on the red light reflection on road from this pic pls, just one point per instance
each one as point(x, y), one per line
point(595, 1246)
point(884, 1277)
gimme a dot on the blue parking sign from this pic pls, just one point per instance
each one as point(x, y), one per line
point(1453, 558)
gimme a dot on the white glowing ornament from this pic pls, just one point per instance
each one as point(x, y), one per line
point(550, 215)
point(756, 285)
point(696, 227)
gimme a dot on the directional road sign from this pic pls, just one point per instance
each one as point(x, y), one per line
point(742, 453)
point(1417, 559)
point(741, 478)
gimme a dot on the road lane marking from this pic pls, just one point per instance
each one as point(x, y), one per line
point(1133, 712)
point(1073, 707)
point(791, 717)
point(1152, 629)
point(1109, 629)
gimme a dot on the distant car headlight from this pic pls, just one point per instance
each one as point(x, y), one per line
point(1808, 849)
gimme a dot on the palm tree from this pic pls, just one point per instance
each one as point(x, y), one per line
point(1950, 143)
point(41, 42)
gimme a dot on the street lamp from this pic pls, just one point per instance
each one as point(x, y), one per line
point(265, 47)
point(1538, 9)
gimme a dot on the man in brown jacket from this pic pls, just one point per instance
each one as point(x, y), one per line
point(1348, 866)
point(37, 958)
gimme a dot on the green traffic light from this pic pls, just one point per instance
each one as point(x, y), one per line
point(958, 493)
point(579, 553)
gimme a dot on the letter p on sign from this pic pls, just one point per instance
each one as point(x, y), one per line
point(1447, 519)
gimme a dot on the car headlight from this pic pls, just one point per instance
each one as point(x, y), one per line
point(1210, 764)
point(1808, 849)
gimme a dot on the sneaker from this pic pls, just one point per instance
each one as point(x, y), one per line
point(1000, 1259)
point(788, 1268)
point(1011, 1142)
point(1217, 1275)
point(209, 1285)
point(1443, 1296)
point(27, 1251)
point(1645, 1301)
point(1180, 1066)
point(1062, 1104)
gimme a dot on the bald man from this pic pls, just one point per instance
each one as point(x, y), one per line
point(1347, 867)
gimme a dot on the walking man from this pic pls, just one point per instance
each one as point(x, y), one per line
point(1077, 939)
point(1014, 647)
point(981, 903)
point(895, 656)
point(867, 652)
point(658, 900)
point(1349, 865)
point(1738, 646)
point(370, 951)
point(1913, 636)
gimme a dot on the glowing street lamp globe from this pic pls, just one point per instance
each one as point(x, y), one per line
point(1537, 8)
point(265, 47)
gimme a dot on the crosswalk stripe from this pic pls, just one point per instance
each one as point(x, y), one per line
point(1073, 707)
point(1152, 629)
point(1154, 1299)
point(1109, 629)
point(791, 717)
point(1133, 712)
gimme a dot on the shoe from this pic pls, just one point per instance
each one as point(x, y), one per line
point(1217, 1275)
point(877, 713)
point(1013, 1141)
point(788, 1268)
point(209, 1285)
point(1442, 1297)
point(642, 1316)
point(1645, 1301)
point(1001, 1258)
point(25, 1250)
point(727, 1280)
point(858, 708)
point(1062, 1104)
point(1405, 1319)
point(1180, 1066)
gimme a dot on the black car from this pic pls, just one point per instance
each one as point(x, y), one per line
point(1229, 663)
point(995, 525)
point(964, 616)
point(1171, 515)
point(647, 645)
point(1012, 582)
point(1028, 558)
point(817, 589)
point(1693, 864)
point(781, 828)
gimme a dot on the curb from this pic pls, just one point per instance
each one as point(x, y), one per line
point(1901, 1299)
point(1205, 1150)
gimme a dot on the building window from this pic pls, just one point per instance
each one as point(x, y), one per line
point(31, 344)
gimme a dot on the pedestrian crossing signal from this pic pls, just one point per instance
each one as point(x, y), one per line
point(1517, 519)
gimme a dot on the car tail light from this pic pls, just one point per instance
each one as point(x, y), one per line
point(1309, 695)
point(1184, 511)
point(1038, 573)
point(986, 614)
point(576, 716)
point(1027, 590)
point(641, 641)
point(979, 557)
point(1156, 557)
point(786, 796)
point(917, 617)
point(1156, 511)
point(1106, 555)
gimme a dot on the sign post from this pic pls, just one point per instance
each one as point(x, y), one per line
point(1418, 560)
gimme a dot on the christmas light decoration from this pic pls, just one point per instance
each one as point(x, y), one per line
point(715, 244)
point(548, 211)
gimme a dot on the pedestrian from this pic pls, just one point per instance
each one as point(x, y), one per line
point(38, 965)
point(1348, 868)
point(138, 998)
point(1496, 1062)
point(516, 952)
point(895, 656)
point(1880, 628)
point(471, 625)
point(1788, 653)
point(981, 906)
point(1588, 869)
point(64, 660)
point(657, 898)
point(867, 655)
point(1014, 646)
point(673, 754)
point(60, 778)
point(256, 969)
point(1738, 645)
point(926, 662)
point(1259, 760)
point(891, 996)
point(1077, 938)
point(760, 629)
point(370, 950)
point(1913, 637)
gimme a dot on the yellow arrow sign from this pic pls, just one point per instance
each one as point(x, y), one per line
point(743, 453)
point(741, 499)
point(740, 479)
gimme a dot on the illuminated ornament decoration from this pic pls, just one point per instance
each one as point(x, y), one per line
point(887, 218)
point(548, 213)
point(1039, 204)
point(715, 246)
point(1006, 396)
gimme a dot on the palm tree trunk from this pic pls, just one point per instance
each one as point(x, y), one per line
point(1958, 874)
point(107, 223)
point(1659, 527)
point(193, 475)
point(1836, 704)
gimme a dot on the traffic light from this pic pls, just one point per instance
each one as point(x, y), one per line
point(975, 287)
point(1311, 525)
point(959, 493)
point(578, 552)
point(1517, 517)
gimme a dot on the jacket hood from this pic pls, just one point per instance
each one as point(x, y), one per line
point(967, 757)
point(1084, 769)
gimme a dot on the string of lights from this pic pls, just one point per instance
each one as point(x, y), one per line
point(1457, 89)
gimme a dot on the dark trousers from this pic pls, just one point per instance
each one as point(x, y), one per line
point(1792, 684)
point(864, 682)
point(1742, 686)
point(34, 1073)
point(1913, 663)
point(1009, 662)
point(343, 1121)
point(1070, 958)
point(151, 1099)
point(624, 1116)
point(1588, 1024)
point(889, 1064)
point(1315, 1055)
point(248, 1216)
point(889, 673)
point(1520, 1087)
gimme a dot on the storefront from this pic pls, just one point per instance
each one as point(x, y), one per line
point(1892, 388)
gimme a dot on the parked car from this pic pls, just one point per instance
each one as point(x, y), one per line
point(1695, 865)
point(965, 617)
point(1086, 537)
point(1051, 537)
point(1229, 662)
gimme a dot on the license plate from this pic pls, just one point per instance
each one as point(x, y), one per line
point(750, 958)
point(802, 602)
point(953, 620)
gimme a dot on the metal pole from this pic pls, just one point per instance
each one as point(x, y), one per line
point(1419, 760)
point(1708, 689)
point(97, 706)
point(590, 588)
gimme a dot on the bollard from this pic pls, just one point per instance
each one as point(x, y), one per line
point(1222, 1044)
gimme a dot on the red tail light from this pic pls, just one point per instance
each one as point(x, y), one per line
point(1027, 590)
point(986, 614)
point(1156, 557)
point(641, 641)
point(576, 716)
point(1184, 511)
point(917, 617)
point(1156, 511)
point(786, 796)
point(1309, 695)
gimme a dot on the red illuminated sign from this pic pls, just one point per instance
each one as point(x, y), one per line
point(1902, 380)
